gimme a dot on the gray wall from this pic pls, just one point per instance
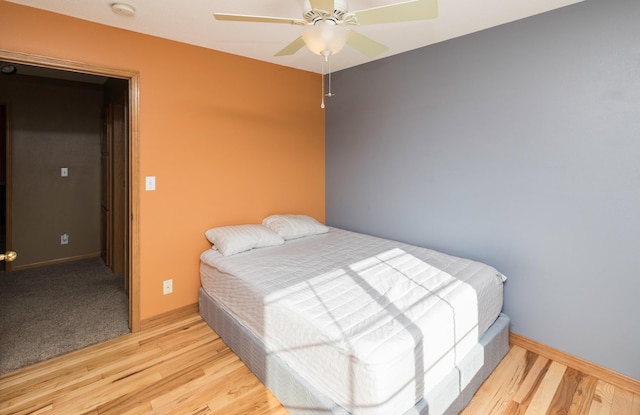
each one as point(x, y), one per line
point(54, 124)
point(518, 146)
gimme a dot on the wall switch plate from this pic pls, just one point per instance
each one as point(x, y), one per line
point(150, 183)
point(64, 171)
point(167, 287)
point(64, 239)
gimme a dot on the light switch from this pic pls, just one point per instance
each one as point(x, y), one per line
point(150, 183)
point(64, 172)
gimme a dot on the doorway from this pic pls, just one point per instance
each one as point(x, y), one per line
point(3, 182)
point(131, 196)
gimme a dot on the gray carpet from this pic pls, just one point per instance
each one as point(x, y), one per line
point(52, 310)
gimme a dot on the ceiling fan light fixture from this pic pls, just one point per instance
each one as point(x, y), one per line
point(325, 38)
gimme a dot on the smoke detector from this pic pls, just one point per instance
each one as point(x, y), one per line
point(123, 9)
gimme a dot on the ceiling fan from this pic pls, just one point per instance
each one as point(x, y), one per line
point(328, 20)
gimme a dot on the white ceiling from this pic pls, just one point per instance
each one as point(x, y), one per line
point(191, 21)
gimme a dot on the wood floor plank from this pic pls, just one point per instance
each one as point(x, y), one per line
point(80, 401)
point(185, 371)
point(583, 396)
point(518, 401)
point(531, 382)
point(53, 388)
point(490, 395)
point(183, 367)
point(622, 402)
point(547, 389)
point(254, 401)
point(192, 397)
point(635, 409)
point(513, 408)
point(197, 392)
point(565, 392)
point(22, 396)
point(175, 370)
point(238, 383)
point(43, 410)
point(602, 399)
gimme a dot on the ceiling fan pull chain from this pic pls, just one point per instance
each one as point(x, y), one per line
point(322, 83)
point(329, 94)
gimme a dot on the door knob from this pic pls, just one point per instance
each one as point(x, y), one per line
point(8, 256)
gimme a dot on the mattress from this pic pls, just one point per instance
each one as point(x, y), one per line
point(374, 324)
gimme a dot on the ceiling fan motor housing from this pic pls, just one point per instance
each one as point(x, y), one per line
point(312, 15)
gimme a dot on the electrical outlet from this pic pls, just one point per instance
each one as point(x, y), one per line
point(64, 239)
point(167, 287)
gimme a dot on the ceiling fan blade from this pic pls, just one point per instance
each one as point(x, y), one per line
point(326, 5)
point(365, 44)
point(292, 47)
point(399, 12)
point(261, 19)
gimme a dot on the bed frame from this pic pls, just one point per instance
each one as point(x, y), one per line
point(300, 398)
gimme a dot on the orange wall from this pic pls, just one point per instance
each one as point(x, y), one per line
point(229, 139)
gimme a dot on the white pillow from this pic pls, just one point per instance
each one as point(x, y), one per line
point(230, 240)
point(294, 226)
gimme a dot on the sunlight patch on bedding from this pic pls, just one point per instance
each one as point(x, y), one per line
point(386, 285)
point(376, 311)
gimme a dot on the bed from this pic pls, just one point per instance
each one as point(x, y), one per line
point(337, 322)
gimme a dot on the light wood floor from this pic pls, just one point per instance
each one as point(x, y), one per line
point(525, 383)
point(184, 368)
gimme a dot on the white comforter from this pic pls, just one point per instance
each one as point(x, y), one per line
point(372, 323)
